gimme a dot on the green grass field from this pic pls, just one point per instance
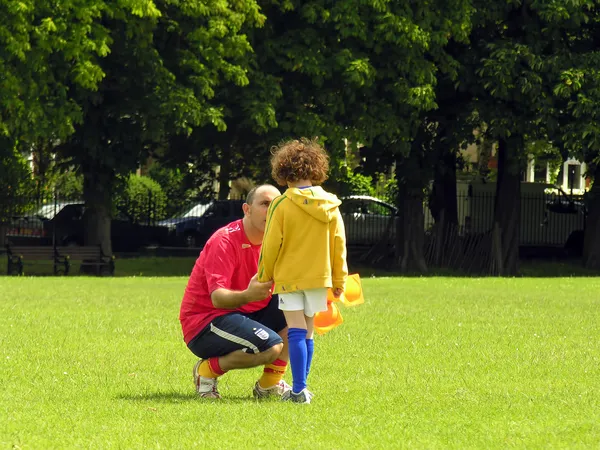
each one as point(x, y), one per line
point(424, 363)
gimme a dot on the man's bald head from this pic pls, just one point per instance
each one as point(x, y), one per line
point(258, 190)
point(255, 211)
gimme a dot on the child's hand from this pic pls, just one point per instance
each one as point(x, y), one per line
point(337, 292)
point(258, 291)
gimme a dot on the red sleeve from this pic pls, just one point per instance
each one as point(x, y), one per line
point(220, 264)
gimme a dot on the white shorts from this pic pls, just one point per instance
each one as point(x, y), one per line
point(311, 301)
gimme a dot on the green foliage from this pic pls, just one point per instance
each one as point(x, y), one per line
point(174, 184)
point(387, 188)
point(142, 200)
point(47, 51)
point(536, 71)
point(69, 184)
point(15, 174)
point(16, 183)
point(347, 182)
point(356, 70)
point(544, 152)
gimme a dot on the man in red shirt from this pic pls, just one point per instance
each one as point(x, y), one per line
point(229, 319)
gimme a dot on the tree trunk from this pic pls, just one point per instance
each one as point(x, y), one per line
point(507, 213)
point(485, 155)
point(591, 240)
point(41, 162)
point(443, 206)
point(224, 173)
point(410, 226)
point(97, 186)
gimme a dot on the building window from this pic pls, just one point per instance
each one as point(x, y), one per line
point(574, 176)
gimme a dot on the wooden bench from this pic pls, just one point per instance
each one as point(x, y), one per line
point(18, 256)
point(87, 256)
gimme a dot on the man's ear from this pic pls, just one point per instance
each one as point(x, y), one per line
point(245, 208)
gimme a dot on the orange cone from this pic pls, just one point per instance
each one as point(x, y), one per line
point(327, 320)
point(353, 294)
point(330, 297)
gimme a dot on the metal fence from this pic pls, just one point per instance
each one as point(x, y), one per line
point(546, 220)
point(50, 219)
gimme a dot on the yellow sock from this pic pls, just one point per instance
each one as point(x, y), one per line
point(205, 370)
point(272, 374)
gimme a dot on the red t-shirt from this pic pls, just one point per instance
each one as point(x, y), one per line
point(228, 261)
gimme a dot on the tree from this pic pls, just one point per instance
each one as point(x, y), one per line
point(46, 49)
point(165, 63)
point(363, 71)
point(575, 116)
point(514, 52)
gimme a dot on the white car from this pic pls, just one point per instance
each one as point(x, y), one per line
point(367, 219)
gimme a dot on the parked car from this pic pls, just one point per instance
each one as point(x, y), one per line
point(367, 219)
point(31, 226)
point(62, 223)
point(567, 215)
point(196, 223)
point(126, 236)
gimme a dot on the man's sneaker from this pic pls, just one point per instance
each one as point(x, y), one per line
point(305, 396)
point(274, 391)
point(205, 387)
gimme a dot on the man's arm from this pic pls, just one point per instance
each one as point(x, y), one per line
point(227, 299)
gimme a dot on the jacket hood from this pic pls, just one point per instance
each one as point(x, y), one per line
point(314, 201)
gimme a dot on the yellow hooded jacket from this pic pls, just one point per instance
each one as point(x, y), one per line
point(304, 246)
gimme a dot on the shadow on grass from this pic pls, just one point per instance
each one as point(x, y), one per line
point(179, 397)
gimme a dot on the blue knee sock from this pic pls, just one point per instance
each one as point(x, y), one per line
point(297, 350)
point(310, 348)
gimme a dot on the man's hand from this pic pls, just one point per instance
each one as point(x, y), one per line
point(337, 292)
point(257, 290)
point(226, 299)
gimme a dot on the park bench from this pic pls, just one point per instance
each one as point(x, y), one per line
point(88, 257)
point(18, 256)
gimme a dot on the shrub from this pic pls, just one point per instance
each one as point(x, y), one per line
point(142, 200)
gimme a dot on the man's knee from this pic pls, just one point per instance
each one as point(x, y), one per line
point(271, 354)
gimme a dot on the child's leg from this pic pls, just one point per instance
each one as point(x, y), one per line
point(310, 343)
point(297, 348)
point(316, 301)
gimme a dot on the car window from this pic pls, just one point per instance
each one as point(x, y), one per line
point(49, 211)
point(228, 208)
point(365, 206)
point(218, 210)
point(71, 212)
point(379, 209)
point(196, 210)
point(352, 207)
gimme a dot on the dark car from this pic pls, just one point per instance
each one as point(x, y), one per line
point(196, 223)
point(30, 228)
point(367, 219)
point(67, 227)
point(565, 220)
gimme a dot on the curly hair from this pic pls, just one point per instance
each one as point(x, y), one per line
point(302, 159)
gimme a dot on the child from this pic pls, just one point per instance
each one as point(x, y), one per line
point(303, 251)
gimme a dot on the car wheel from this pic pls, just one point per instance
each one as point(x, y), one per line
point(574, 244)
point(190, 240)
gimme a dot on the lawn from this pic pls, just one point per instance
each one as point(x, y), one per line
point(424, 363)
